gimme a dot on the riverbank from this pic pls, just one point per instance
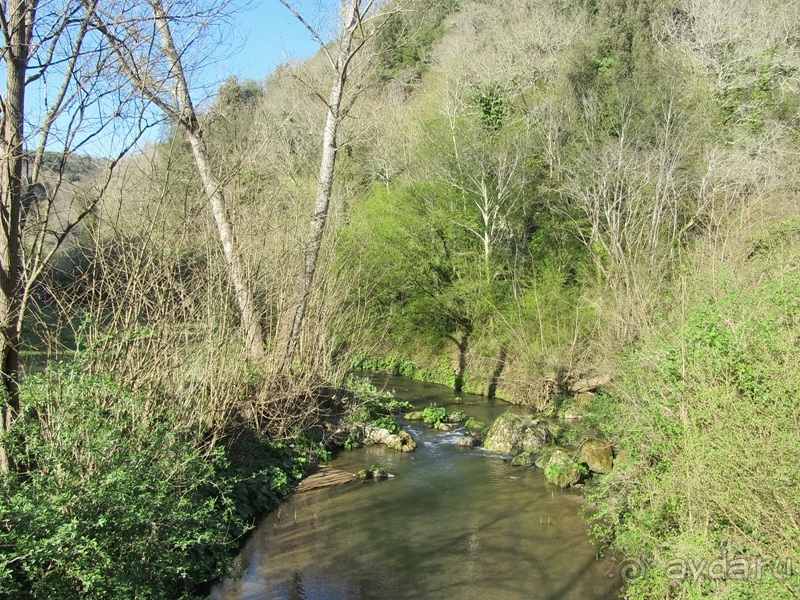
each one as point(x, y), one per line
point(115, 497)
point(703, 417)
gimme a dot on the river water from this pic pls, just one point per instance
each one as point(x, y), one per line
point(455, 523)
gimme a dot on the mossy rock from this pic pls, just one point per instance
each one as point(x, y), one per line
point(597, 455)
point(415, 415)
point(524, 459)
point(400, 441)
point(469, 441)
point(373, 474)
point(542, 457)
point(556, 430)
point(457, 416)
point(562, 470)
point(513, 434)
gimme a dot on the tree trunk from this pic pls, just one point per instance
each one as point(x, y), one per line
point(187, 120)
point(236, 269)
point(324, 184)
point(11, 189)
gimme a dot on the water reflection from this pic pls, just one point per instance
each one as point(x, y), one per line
point(456, 523)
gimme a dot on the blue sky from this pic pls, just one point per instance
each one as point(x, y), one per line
point(264, 36)
point(259, 37)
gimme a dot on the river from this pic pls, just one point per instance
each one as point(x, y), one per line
point(454, 523)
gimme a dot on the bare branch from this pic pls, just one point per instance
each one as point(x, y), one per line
point(311, 30)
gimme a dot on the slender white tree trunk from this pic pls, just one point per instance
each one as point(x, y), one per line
point(236, 267)
point(324, 185)
point(187, 120)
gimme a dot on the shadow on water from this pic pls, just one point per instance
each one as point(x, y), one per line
point(455, 523)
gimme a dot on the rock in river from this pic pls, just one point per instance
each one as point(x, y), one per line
point(512, 434)
point(400, 441)
point(415, 415)
point(469, 441)
point(524, 459)
point(562, 470)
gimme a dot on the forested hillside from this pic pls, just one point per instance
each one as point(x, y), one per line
point(533, 193)
point(589, 207)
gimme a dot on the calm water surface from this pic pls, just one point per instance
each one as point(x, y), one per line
point(456, 523)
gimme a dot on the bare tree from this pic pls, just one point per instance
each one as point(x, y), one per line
point(43, 46)
point(353, 13)
point(357, 26)
point(482, 161)
point(149, 56)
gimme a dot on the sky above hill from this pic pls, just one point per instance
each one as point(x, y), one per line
point(249, 43)
point(264, 35)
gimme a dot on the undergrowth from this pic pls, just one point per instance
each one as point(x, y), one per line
point(115, 497)
point(704, 488)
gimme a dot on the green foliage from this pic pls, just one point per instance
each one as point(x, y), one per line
point(707, 425)
point(457, 416)
point(375, 402)
point(370, 406)
point(115, 498)
point(442, 374)
point(405, 40)
point(434, 415)
point(559, 472)
point(351, 442)
point(387, 423)
point(493, 105)
point(119, 499)
point(472, 423)
point(752, 94)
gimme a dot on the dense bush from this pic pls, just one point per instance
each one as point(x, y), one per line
point(706, 420)
point(115, 498)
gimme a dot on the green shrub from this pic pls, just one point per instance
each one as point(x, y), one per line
point(387, 423)
point(116, 498)
point(472, 423)
point(369, 403)
point(707, 422)
point(433, 415)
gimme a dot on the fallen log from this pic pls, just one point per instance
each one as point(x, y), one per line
point(325, 477)
point(589, 384)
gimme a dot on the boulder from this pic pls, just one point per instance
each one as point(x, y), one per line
point(541, 458)
point(562, 470)
point(401, 441)
point(457, 416)
point(513, 434)
point(447, 426)
point(469, 441)
point(373, 473)
point(415, 415)
point(524, 459)
point(597, 455)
